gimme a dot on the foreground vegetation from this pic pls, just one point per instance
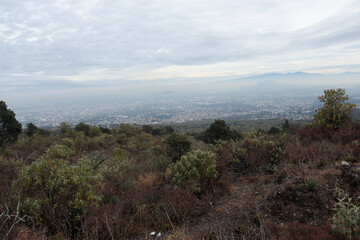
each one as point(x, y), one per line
point(92, 182)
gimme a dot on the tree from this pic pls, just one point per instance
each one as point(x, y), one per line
point(169, 129)
point(31, 129)
point(10, 128)
point(94, 131)
point(64, 127)
point(335, 110)
point(274, 130)
point(177, 146)
point(286, 125)
point(83, 127)
point(148, 129)
point(218, 130)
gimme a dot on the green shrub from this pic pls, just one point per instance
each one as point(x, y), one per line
point(197, 167)
point(106, 165)
point(68, 142)
point(270, 168)
point(57, 193)
point(59, 152)
point(141, 141)
point(311, 184)
point(94, 131)
point(177, 145)
point(346, 219)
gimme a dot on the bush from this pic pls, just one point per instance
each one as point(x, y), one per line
point(57, 193)
point(197, 167)
point(269, 168)
point(302, 231)
point(346, 219)
point(94, 131)
point(311, 184)
point(177, 146)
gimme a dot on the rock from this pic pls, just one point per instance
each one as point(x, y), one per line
point(344, 163)
point(351, 176)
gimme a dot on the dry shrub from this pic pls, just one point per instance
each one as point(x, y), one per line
point(25, 233)
point(299, 231)
point(179, 204)
point(173, 208)
point(318, 152)
point(105, 222)
point(257, 153)
point(179, 234)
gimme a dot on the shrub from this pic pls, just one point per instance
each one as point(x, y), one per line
point(346, 219)
point(302, 231)
point(197, 167)
point(94, 131)
point(68, 142)
point(57, 193)
point(311, 184)
point(270, 168)
point(177, 146)
point(108, 166)
point(140, 141)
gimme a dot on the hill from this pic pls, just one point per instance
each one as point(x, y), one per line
point(122, 183)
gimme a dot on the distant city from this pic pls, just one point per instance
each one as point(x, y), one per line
point(167, 111)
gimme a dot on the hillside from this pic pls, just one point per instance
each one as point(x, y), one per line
point(267, 186)
point(89, 182)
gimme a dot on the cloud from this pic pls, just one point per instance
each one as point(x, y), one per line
point(112, 42)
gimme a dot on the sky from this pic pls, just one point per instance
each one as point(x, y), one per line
point(56, 49)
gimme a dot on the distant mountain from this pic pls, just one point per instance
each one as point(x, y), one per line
point(295, 83)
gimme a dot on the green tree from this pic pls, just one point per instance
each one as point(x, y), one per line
point(286, 125)
point(83, 127)
point(94, 131)
point(335, 111)
point(105, 130)
point(177, 146)
point(10, 128)
point(169, 129)
point(218, 130)
point(64, 128)
point(31, 129)
point(148, 129)
point(274, 130)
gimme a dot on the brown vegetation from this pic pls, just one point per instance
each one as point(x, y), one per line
point(277, 186)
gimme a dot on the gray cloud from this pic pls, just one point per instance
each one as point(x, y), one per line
point(93, 43)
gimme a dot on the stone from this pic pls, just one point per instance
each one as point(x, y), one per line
point(344, 163)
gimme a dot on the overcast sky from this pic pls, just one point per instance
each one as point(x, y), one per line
point(64, 44)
